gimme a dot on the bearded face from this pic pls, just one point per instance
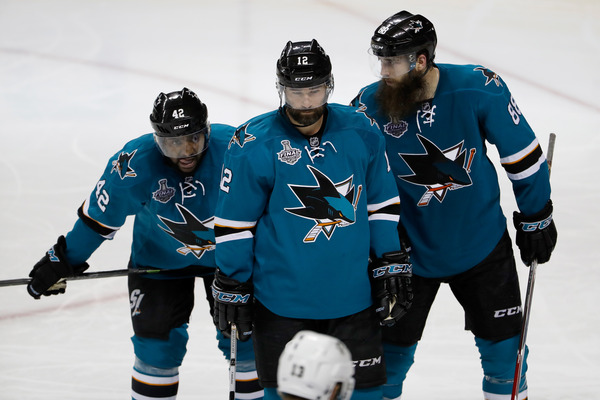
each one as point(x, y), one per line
point(305, 117)
point(400, 98)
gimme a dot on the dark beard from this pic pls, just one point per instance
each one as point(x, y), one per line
point(404, 98)
point(305, 118)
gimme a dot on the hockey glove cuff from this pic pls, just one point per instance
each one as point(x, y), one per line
point(536, 235)
point(47, 274)
point(391, 286)
point(234, 303)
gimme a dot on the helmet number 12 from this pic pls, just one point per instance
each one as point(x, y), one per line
point(302, 60)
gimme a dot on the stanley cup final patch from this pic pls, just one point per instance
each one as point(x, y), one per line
point(289, 154)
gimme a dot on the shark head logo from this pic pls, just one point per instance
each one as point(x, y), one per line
point(437, 170)
point(415, 25)
point(122, 165)
point(196, 236)
point(329, 205)
point(490, 76)
point(241, 136)
point(361, 108)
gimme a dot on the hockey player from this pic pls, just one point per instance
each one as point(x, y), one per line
point(436, 119)
point(306, 197)
point(169, 181)
point(314, 366)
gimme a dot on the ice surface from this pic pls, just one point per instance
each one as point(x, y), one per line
point(78, 78)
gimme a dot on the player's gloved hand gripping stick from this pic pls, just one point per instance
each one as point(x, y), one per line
point(47, 275)
point(391, 286)
point(233, 305)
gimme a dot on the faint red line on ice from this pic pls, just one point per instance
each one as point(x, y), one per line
point(68, 306)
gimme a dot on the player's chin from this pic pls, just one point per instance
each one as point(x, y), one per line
point(188, 164)
point(390, 82)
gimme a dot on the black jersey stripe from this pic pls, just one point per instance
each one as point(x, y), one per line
point(228, 230)
point(94, 225)
point(524, 163)
point(393, 209)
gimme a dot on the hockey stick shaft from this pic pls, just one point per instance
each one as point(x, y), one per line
point(88, 275)
point(232, 362)
point(529, 297)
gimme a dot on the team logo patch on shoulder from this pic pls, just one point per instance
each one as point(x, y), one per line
point(438, 170)
point(289, 154)
point(122, 165)
point(396, 129)
point(164, 192)
point(361, 108)
point(330, 205)
point(196, 236)
point(241, 136)
point(490, 76)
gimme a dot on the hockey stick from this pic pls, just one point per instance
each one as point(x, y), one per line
point(232, 362)
point(89, 275)
point(529, 296)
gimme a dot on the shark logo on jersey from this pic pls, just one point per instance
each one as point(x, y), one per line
point(362, 109)
point(122, 165)
point(438, 170)
point(241, 136)
point(289, 154)
point(490, 76)
point(164, 192)
point(330, 205)
point(196, 236)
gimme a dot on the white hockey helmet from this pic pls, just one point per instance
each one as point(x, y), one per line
point(311, 366)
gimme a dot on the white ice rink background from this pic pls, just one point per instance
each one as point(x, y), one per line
point(78, 79)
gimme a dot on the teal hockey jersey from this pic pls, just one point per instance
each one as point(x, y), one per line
point(173, 212)
point(448, 185)
point(300, 216)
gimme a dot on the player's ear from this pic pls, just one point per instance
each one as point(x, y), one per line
point(421, 64)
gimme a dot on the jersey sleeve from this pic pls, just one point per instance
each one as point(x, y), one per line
point(520, 152)
point(116, 195)
point(246, 183)
point(383, 201)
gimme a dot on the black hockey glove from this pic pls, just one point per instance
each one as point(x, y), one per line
point(391, 286)
point(536, 235)
point(46, 275)
point(234, 303)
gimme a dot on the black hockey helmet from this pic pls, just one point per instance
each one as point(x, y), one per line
point(177, 116)
point(304, 64)
point(404, 33)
